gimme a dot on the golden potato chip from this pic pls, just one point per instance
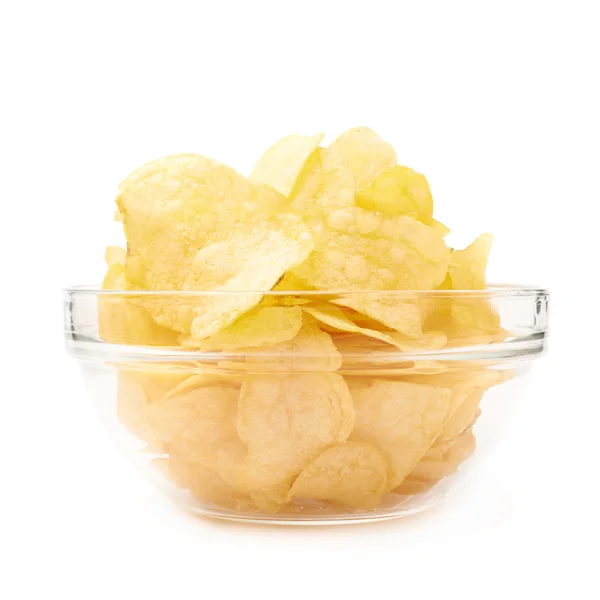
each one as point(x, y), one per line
point(137, 390)
point(443, 459)
point(401, 419)
point(290, 283)
point(468, 385)
point(280, 166)
point(398, 190)
point(333, 317)
point(326, 177)
point(194, 224)
point(272, 500)
point(439, 462)
point(366, 154)
point(261, 326)
point(204, 483)
point(120, 320)
point(288, 420)
point(356, 248)
point(352, 474)
point(440, 228)
point(312, 350)
point(400, 314)
point(467, 272)
point(201, 420)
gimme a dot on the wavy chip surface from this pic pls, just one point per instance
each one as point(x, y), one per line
point(286, 421)
point(353, 474)
point(194, 224)
point(401, 419)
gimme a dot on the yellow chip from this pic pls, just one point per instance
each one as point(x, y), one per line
point(467, 272)
point(468, 386)
point(359, 249)
point(289, 283)
point(440, 228)
point(353, 474)
point(204, 483)
point(335, 318)
point(263, 326)
point(401, 419)
point(403, 315)
point(288, 420)
point(439, 462)
point(202, 420)
point(281, 164)
point(194, 224)
point(398, 190)
point(312, 350)
point(137, 391)
point(366, 154)
point(120, 320)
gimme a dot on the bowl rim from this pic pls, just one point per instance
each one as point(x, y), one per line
point(500, 290)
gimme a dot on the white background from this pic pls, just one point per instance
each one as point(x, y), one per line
point(496, 102)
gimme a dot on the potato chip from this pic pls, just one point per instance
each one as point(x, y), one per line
point(200, 419)
point(366, 154)
point(398, 190)
point(288, 420)
point(312, 350)
point(204, 483)
point(280, 166)
point(290, 283)
point(401, 419)
point(356, 248)
point(468, 386)
point(333, 317)
point(137, 390)
point(439, 462)
point(262, 326)
point(272, 500)
point(467, 272)
point(403, 315)
point(120, 320)
point(194, 224)
point(440, 228)
point(352, 474)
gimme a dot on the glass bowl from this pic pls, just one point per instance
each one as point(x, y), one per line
point(340, 428)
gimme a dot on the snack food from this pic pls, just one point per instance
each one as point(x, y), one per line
point(298, 295)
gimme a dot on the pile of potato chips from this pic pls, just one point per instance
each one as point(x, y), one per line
point(307, 383)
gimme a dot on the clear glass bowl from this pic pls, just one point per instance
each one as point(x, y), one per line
point(315, 433)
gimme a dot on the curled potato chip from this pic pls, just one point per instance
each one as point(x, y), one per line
point(366, 154)
point(287, 420)
point(403, 315)
point(194, 224)
point(353, 474)
point(401, 419)
point(120, 320)
point(333, 317)
point(467, 272)
point(357, 248)
point(398, 190)
point(261, 326)
point(311, 351)
point(280, 165)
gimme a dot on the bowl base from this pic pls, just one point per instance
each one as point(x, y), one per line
point(327, 517)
